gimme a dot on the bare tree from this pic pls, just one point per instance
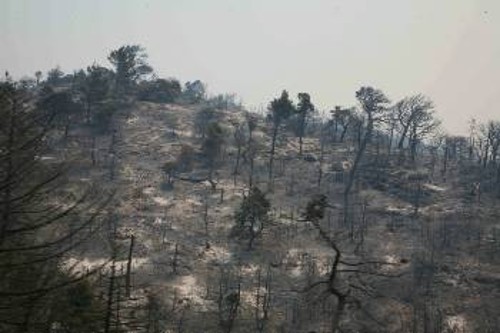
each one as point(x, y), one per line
point(344, 277)
point(392, 123)
point(263, 300)
point(416, 119)
point(229, 298)
point(240, 140)
point(212, 148)
point(492, 134)
point(204, 118)
point(251, 146)
point(344, 118)
point(423, 125)
point(473, 129)
point(406, 110)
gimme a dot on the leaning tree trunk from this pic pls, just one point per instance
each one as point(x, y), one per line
point(353, 173)
point(129, 267)
point(342, 135)
point(403, 137)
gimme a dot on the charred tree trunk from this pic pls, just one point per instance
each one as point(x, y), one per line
point(354, 171)
point(93, 151)
point(237, 165)
point(109, 305)
point(344, 132)
point(271, 157)
point(302, 130)
point(403, 137)
point(129, 267)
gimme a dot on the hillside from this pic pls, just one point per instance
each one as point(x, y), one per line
point(436, 268)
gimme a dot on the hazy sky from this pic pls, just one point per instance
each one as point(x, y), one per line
point(447, 49)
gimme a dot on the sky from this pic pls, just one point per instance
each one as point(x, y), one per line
point(448, 50)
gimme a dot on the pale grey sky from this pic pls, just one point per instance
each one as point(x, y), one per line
point(447, 49)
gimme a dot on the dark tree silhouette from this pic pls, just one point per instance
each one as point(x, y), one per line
point(160, 91)
point(280, 109)
point(344, 118)
point(212, 148)
point(195, 91)
point(304, 110)
point(38, 76)
point(253, 215)
point(94, 87)
point(55, 76)
point(40, 225)
point(61, 105)
point(130, 62)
